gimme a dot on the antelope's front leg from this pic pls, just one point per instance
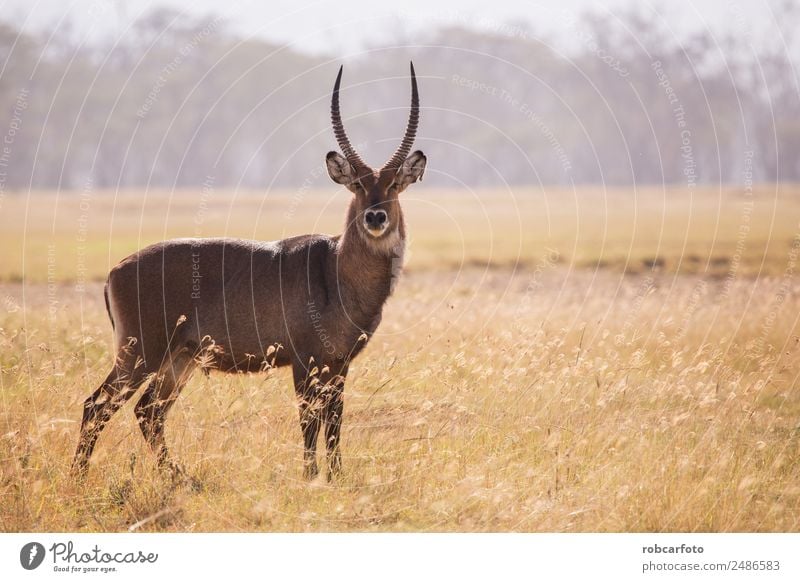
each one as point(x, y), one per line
point(334, 407)
point(306, 388)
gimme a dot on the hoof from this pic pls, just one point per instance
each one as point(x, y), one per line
point(180, 478)
point(78, 471)
point(310, 472)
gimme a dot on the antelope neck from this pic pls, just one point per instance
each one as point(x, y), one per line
point(364, 269)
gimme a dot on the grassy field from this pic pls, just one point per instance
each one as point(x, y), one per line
point(552, 361)
point(79, 236)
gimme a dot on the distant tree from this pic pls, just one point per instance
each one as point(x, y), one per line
point(177, 100)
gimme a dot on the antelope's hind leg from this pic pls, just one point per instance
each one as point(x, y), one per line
point(154, 405)
point(121, 383)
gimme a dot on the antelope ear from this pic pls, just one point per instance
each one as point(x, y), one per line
point(411, 170)
point(339, 169)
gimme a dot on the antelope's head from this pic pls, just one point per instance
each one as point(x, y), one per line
point(376, 205)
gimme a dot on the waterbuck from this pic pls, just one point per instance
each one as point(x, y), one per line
point(311, 302)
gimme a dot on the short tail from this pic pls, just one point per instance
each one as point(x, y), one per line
point(108, 306)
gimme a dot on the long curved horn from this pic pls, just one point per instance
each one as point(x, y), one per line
point(338, 130)
point(411, 129)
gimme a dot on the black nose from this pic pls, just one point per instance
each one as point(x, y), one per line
point(375, 218)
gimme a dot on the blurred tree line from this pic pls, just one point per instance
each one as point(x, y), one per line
point(176, 103)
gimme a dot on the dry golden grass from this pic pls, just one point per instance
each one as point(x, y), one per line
point(75, 236)
point(546, 398)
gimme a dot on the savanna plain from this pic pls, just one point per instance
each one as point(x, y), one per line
point(552, 360)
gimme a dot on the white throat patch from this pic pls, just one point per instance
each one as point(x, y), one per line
point(398, 254)
point(393, 246)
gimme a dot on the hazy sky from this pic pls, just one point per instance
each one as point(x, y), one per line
point(318, 25)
